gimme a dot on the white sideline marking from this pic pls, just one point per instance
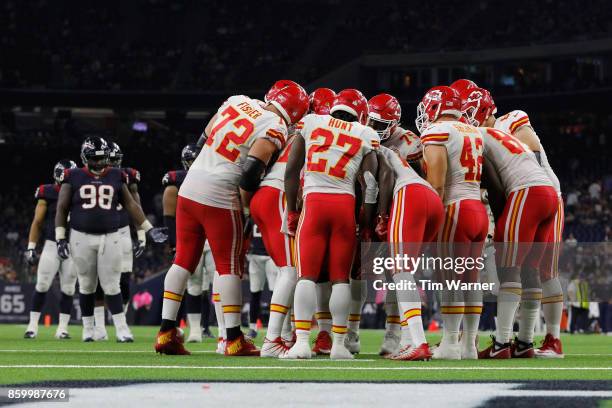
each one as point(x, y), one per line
point(432, 368)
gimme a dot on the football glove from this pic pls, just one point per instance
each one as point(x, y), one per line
point(382, 227)
point(30, 256)
point(292, 222)
point(63, 251)
point(138, 247)
point(159, 235)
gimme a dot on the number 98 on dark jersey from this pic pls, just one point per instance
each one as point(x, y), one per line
point(93, 208)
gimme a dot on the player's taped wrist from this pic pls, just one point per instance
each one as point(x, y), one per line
point(252, 172)
point(146, 226)
point(60, 233)
point(141, 235)
point(371, 190)
point(31, 245)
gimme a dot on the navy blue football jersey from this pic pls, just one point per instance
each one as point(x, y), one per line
point(133, 177)
point(257, 244)
point(49, 193)
point(174, 178)
point(93, 208)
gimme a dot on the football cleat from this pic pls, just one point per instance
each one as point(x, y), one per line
point(340, 352)
point(408, 353)
point(195, 336)
point(171, 342)
point(207, 334)
point(299, 350)
point(289, 342)
point(99, 334)
point(220, 346)
point(352, 342)
point(468, 351)
point(497, 351)
point(240, 347)
point(390, 344)
point(403, 349)
point(521, 349)
point(274, 348)
point(323, 344)
point(88, 334)
point(447, 351)
point(30, 334)
point(62, 335)
point(551, 348)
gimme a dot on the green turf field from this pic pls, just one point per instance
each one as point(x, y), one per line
point(588, 357)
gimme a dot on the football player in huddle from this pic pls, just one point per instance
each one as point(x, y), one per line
point(133, 176)
point(544, 289)
point(333, 149)
point(267, 209)
point(50, 263)
point(91, 195)
point(415, 218)
point(452, 152)
point(197, 300)
point(528, 217)
point(215, 197)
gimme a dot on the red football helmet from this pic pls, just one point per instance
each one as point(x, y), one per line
point(321, 100)
point(291, 101)
point(385, 113)
point(353, 102)
point(281, 83)
point(461, 85)
point(439, 100)
point(477, 105)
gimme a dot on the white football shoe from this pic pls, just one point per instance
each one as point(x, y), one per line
point(124, 335)
point(274, 348)
point(195, 336)
point(447, 351)
point(88, 334)
point(390, 345)
point(62, 335)
point(352, 342)
point(220, 346)
point(340, 352)
point(298, 351)
point(100, 334)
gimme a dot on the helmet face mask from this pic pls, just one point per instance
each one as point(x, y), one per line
point(477, 106)
point(188, 155)
point(385, 113)
point(58, 170)
point(94, 154)
point(383, 127)
point(115, 155)
point(439, 100)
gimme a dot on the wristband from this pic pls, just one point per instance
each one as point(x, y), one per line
point(142, 235)
point(31, 245)
point(60, 233)
point(146, 226)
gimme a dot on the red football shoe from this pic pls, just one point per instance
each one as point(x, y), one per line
point(171, 342)
point(521, 349)
point(323, 344)
point(551, 348)
point(497, 351)
point(241, 346)
point(420, 353)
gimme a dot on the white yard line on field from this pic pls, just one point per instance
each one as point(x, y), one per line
point(177, 367)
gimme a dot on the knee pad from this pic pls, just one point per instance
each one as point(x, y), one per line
point(67, 289)
point(43, 285)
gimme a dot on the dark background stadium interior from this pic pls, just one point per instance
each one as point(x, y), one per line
point(69, 69)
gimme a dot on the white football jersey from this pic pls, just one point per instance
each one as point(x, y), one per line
point(513, 121)
point(334, 152)
point(405, 143)
point(464, 146)
point(276, 176)
point(514, 162)
point(404, 174)
point(214, 176)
